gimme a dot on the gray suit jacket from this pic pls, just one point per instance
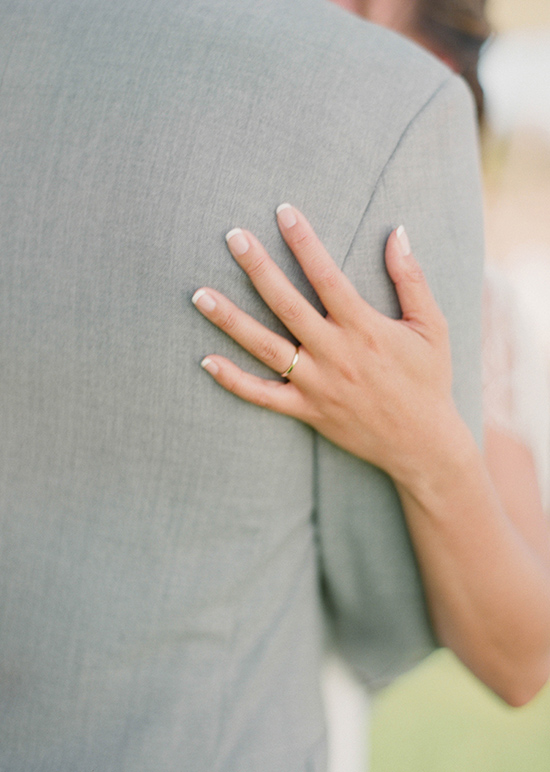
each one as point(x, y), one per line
point(161, 541)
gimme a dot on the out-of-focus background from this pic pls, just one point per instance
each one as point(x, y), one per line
point(515, 72)
point(439, 718)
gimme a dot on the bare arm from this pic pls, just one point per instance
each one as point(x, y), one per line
point(488, 588)
point(381, 389)
point(511, 467)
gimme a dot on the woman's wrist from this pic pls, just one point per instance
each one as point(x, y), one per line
point(443, 460)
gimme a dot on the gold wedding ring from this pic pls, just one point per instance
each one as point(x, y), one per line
point(292, 364)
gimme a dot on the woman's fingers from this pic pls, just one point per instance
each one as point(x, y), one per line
point(418, 305)
point(294, 311)
point(336, 292)
point(274, 395)
point(273, 350)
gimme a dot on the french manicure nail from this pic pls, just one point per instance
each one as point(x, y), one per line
point(403, 241)
point(204, 301)
point(238, 243)
point(210, 366)
point(286, 215)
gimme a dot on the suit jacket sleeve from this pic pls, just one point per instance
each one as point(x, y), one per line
point(372, 588)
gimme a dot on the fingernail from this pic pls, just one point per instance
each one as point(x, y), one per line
point(403, 241)
point(286, 215)
point(238, 243)
point(204, 301)
point(209, 365)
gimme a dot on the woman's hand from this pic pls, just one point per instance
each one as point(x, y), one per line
point(378, 387)
point(381, 388)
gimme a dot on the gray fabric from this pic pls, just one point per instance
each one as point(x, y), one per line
point(159, 583)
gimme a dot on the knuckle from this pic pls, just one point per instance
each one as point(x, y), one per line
point(415, 274)
point(370, 339)
point(304, 239)
point(233, 383)
point(348, 371)
point(289, 309)
point(257, 266)
point(229, 320)
point(267, 351)
point(329, 279)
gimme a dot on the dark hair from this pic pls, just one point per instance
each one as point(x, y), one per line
point(457, 30)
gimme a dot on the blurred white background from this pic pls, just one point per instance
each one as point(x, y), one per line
point(515, 73)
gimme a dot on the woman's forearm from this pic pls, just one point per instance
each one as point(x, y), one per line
point(488, 592)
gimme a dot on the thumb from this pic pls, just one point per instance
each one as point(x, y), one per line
point(415, 297)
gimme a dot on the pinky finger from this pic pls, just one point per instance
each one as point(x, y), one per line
point(273, 395)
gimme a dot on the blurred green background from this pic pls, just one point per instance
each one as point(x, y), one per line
point(439, 718)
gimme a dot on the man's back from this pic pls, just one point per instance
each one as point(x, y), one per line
point(159, 602)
